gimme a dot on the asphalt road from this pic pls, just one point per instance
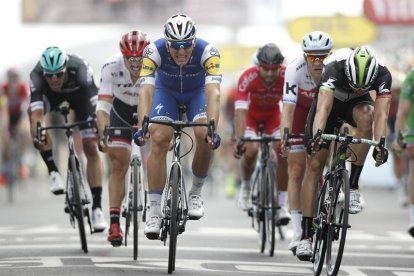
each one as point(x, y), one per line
point(37, 239)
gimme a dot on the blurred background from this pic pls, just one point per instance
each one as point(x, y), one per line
point(92, 29)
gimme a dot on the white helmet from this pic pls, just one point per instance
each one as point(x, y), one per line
point(361, 68)
point(317, 41)
point(179, 27)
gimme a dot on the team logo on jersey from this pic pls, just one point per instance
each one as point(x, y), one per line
point(148, 51)
point(212, 65)
point(214, 51)
point(148, 67)
point(290, 88)
point(158, 108)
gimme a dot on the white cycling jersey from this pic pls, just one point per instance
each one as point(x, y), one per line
point(116, 82)
point(299, 88)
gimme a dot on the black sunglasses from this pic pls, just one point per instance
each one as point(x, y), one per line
point(57, 74)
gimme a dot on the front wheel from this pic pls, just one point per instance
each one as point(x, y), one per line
point(174, 181)
point(337, 223)
point(79, 212)
point(270, 207)
point(319, 225)
point(136, 181)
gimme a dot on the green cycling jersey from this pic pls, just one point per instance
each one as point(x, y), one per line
point(407, 93)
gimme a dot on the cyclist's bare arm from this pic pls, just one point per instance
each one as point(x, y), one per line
point(213, 102)
point(381, 109)
point(404, 107)
point(240, 116)
point(35, 117)
point(146, 94)
point(324, 107)
point(103, 110)
point(287, 119)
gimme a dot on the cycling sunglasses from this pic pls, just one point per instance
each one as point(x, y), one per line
point(134, 59)
point(51, 75)
point(180, 44)
point(313, 58)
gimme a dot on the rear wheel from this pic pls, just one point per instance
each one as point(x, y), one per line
point(174, 223)
point(79, 213)
point(338, 226)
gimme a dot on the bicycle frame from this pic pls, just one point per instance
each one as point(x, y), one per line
point(331, 219)
point(263, 190)
point(175, 202)
point(76, 197)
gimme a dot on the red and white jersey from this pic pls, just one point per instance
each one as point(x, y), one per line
point(116, 82)
point(299, 88)
point(254, 95)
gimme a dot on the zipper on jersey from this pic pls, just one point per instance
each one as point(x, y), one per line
point(181, 78)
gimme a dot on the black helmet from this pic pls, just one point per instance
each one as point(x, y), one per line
point(270, 54)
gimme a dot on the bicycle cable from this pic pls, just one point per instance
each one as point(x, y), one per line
point(192, 144)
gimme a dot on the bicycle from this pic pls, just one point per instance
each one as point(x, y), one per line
point(330, 223)
point(135, 195)
point(12, 163)
point(175, 202)
point(263, 191)
point(77, 201)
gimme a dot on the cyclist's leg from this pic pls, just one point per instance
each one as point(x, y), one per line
point(156, 164)
point(362, 119)
point(119, 156)
point(296, 169)
point(203, 155)
point(55, 180)
point(410, 153)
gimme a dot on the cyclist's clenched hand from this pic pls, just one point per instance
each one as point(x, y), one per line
point(140, 137)
point(315, 144)
point(214, 142)
point(238, 149)
point(380, 155)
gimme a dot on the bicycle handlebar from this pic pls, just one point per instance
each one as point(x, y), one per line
point(288, 136)
point(179, 125)
point(261, 139)
point(108, 128)
point(41, 137)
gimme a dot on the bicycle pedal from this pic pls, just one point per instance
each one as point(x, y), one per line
point(66, 209)
point(124, 213)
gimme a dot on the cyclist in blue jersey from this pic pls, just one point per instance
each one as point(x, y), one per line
point(178, 69)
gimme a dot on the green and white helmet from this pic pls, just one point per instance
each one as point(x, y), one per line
point(53, 59)
point(361, 68)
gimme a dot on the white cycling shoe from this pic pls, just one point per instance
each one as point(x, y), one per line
point(56, 183)
point(195, 207)
point(243, 200)
point(355, 202)
point(153, 227)
point(98, 220)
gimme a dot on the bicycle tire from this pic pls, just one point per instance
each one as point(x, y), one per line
point(270, 207)
point(76, 177)
point(319, 225)
point(135, 180)
point(254, 198)
point(338, 224)
point(262, 210)
point(173, 231)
